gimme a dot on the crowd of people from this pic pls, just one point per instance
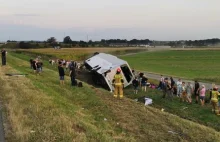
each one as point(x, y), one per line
point(185, 91)
point(170, 88)
point(67, 65)
point(140, 80)
point(64, 67)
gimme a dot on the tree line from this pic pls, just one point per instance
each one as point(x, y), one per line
point(69, 43)
point(144, 42)
point(195, 43)
point(106, 43)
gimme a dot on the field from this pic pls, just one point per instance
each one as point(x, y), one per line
point(37, 108)
point(191, 64)
point(80, 53)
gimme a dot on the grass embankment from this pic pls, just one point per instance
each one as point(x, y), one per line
point(81, 53)
point(193, 112)
point(192, 64)
point(53, 112)
point(39, 109)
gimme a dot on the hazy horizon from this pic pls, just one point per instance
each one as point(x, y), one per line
point(105, 19)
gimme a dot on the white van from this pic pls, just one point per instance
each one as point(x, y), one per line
point(103, 67)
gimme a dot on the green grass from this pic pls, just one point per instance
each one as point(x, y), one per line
point(70, 100)
point(193, 112)
point(65, 113)
point(192, 64)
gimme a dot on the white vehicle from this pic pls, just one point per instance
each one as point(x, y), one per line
point(103, 68)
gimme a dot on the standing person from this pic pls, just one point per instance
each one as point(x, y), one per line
point(161, 83)
point(133, 72)
point(214, 100)
point(189, 91)
point(34, 64)
point(202, 95)
point(169, 90)
point(39, 67)
point(4, 52)
point(140, 77)
point(179, 87)
point(196, 91)
point(174, 90)
point(165, 88)
point(144, 83)
point(118, 83)
point(72, 74)
point(183, 90)
point(172, 82)
point(61, 73)
point(135, 83)
point(72, 64)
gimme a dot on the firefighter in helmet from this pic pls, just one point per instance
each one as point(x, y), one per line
point(118, 83)
point(214, 100)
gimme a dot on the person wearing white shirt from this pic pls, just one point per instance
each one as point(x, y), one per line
point(179, 87)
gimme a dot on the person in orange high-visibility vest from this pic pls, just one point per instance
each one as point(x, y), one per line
point(118, 83)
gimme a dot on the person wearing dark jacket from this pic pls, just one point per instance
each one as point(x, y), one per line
point(141, 74)
point(61, 74)
point(166, 87)
point(3, 51)
point(144, 83)
point(196, 91)
point(135, 83)
point(172, 82)
point(39, 67)
point(72, 74)
point(34, 65)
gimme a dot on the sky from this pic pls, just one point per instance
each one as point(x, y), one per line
point(109, 19)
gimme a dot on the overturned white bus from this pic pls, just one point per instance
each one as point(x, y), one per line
point(103, 68)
